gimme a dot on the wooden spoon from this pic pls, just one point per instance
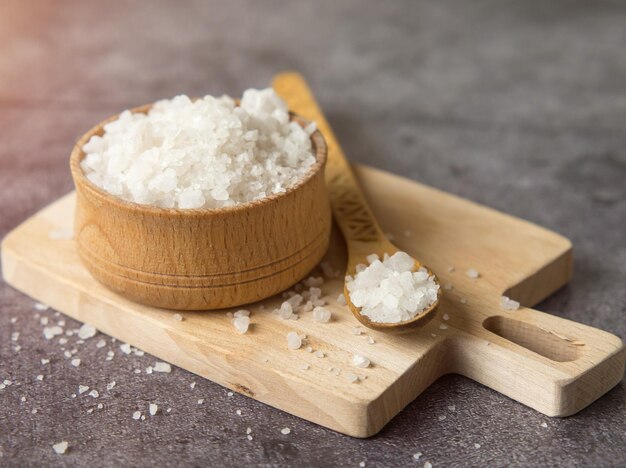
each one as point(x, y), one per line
point(358, 224)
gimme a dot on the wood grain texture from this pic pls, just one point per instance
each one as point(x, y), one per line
point(198, 259)
point(548, 363)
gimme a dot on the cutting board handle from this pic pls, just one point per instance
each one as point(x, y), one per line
point(551, 364)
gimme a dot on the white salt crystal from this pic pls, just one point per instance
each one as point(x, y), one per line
point(41, 307)
point(370, 340)
point(13, 319)
point(361, 464)
point(111, 385)
point(341, 299)
point(249, 431)
point(15, 336)
point(389, 291)
point(100, 405)
point(192, 385)
point(285, 311)
point(136, 415)
point(86, 331)
point(544, 424)
point(101, 344)
point(61, 234)
point(293, 340)
point(428, 465)
point(446, 317)
point(82, 389)
point(477, 446)
point(416, 456)
point(241, 323)
point(238, 412)
point(34, 411)
point(44, 320)
point(313, 282)
point(305, 366)
point(207, 153)
point(308, 349)
point(60, 448)
point(153, 408)
point(442, 417)
point(352, 378)
point(200, 401)
point(358, 360)
point(230, 394)
point(143, 417)
point(162, 367)
point(51, 332)
point(62, 341)
point(452, 408)
point(126, 348)
point(23, 399)
point(76, 362)
point(45, 361)
point(508, 304)
point(39, 377)
point(472, 273)
point(319, 354)
point(138, 352)
point(285, 431)
point(177, 317)
point(443, 326)
point(321, 314)
point(94, 394)
point(448, 287)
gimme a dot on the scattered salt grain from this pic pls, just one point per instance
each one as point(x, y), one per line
point(200, 401)
point(23, 399)
point(82, 389)
point(62, 341)
point(60, 448)
point(206, 153)
point(249, 437)
point(51, 332)
point(241, 323)
point(13, 319)
point(448, 287)
point(357, 331)
point(137, 371)
point(94, 394)
point(61, 234)
point(446, 317)
point(442, 417)
point(152, 408)
point(136, 415)
point(111, 385)
point(352, 378)
point(230, 394)
point(100, 406)
point(15, 336)
point(177, 317)
point(472, 273)
point(443, 326)
point(7, 382)
point(477, 446)
point(341, 300)
point(416, 456)
point(45, 361)
point(305, 366)
point(544, 424)
point(126, 348)
point(41, 307)
point(463, 300)
point(389, 291)
point(321, 314)
point(428, 465)
point(508, 304)
point(249, 431)
point(358, 360)
point(286, 310)
point(138, 352)
point(452, 408)
point(143, 417)
point(361, 464)
point(86, 331)
point(33, 411)
point(285, 431)
point(238, 412)
point(76, 362)
point(162, 367)
point(192, 385)
point(313, 282)
point(370, 340)
point(101, 344)
point(293, 341)
point(319, 354)
point(39, 377)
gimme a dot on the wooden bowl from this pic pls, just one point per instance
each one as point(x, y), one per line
point(195, 259)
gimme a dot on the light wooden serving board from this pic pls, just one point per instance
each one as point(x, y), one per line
point(548, 363)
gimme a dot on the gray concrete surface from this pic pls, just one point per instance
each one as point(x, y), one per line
point(517, 105)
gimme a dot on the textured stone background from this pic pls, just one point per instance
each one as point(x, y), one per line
point(517, 105)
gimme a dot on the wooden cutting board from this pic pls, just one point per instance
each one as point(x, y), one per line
point(548, 363)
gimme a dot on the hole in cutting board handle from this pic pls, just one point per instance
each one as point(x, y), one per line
point(533, 338)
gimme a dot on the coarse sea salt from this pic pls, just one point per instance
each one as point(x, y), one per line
point(86, 331)
point(162, 367)
point(321, 314)
point(207, 153)
point(241, 323)
point(60, 448)
point(389, 291)
point(293, 340)
point(358, 360)
point(508, 304)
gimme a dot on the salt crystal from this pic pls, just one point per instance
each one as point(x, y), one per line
point(62, 341)
point(428, 465)
point(358, 360)
point(286, 310)
point(94, 394)
point(448, 287)
point(101, 344)
point(45, 361)
point(452, 408)
point(136, 415)
point(249, 437)
point(285, 431)
point(508, 304)
point(341, 299)
point(319, 354)
point(111, 385)
point(7, 382)
point(100, 405)
point(162, 367)
point(230, 394)
point(51, 332)
point(192, 385)
point(443, 326)
point(472, 273)
point(313, 282)
point(86, 331)
point(126, 348)
point(169, 410)
point(76, 362)
point(370, 340)
point(177, 317)
point(352, 378)
point(357, 331)
point(305, 366)
point(207, 153)
point(293, 340)
point(321, 314)
point(446, 317)
point(138, 352)
point(390, 291)
point(477, 446)
point(34, 411)
point(249, 430)
point(361, 464)
point(149, 370)
point(200, 401)
point(23, 399)
point(416, 456)
point(442, 417)
point(15, 336)
point(13, 319)
point(41, 307)
point(544, 424)
point(137, 371)
point(60, 448)
point(152, 408)
point(143, 417)
point(238, 412)
point(82, 389)
point(39, 377)
point(241, 323)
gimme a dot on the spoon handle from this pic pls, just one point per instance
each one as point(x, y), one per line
point(352, 213)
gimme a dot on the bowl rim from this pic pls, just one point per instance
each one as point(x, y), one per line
point(76, 156)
